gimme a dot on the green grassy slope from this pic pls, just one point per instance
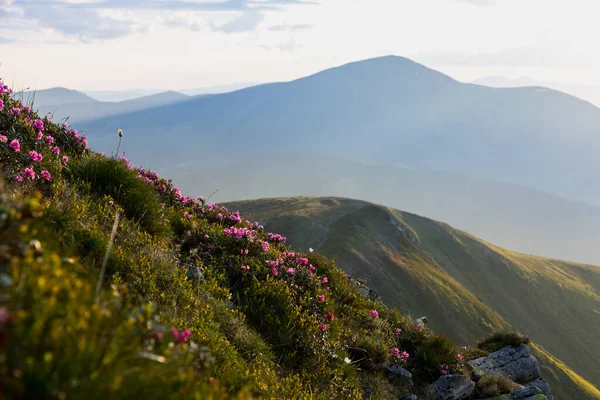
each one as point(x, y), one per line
point(116, 285)
point(465, 286)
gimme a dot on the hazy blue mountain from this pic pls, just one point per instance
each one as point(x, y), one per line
point(511, 216)
point(76, 110)
point(589, 93)
point(53, 96)
point(119, 95)
point(386, 109)
point(217, 89)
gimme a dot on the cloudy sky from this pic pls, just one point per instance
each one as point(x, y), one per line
point(176, 44)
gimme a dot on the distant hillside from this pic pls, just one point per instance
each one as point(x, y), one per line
point(512, 216)
point(585, 92)
point(465, 286)
point(388, 109)
point(63, 103)
point(54, 96)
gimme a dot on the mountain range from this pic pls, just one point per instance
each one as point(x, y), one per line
point(72, 105)
point(465, 286)
point(386, 109)
point(516, 167)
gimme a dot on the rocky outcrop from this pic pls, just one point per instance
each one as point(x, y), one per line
point(518, 365)
point(543, 385)
point(514, 363)
point(453, 387)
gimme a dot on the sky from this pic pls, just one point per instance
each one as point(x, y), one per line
point(177, 44)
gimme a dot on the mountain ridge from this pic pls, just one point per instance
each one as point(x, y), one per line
point(523, 291)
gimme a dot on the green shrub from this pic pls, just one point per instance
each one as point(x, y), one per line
point(492, 385)
point(433, 355)
point(140, 202)
point(500, 340)
point(471, 354)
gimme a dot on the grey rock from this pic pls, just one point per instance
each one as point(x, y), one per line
point(525, 393)
point(453, 387)
point(515, 363)
point(399, 374)
point(543, 385)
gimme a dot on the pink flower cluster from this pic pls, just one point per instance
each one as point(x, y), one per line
point(264, 246)
point(275, 237)
point(402, 355)
point(4, 89)
point(180, 337)
point(35, 156)
point(288, 261)
point(444, 370)
point(374, 314)
point(240, 233)
point(245, 268)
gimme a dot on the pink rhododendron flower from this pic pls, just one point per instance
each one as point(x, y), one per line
point(28, 172)
point(244, 251)
point(49, 139)
point(374, 314)
point(329, 316)
point(15, 145)
point(19, 178)
point(459, 357)
point(35, 156)
point(323, 327)
point(397, 330)
point(264, 246)
point(38, 125)
point(180, 337)
point(1, 103)
point(219, 216)
point(404, 355)
point(56, 150)
point(46, 175)
point(15, 111)
point(185, 335)
point(291, 271)
point(245, 268)
point(320, 297)
point(65, 159)
point(324, 280)
point(206, 236)
point(40, 135)
point(3, 139)
point(276, 237)
point(444, 369)
point(396, 352)
point(419, 326)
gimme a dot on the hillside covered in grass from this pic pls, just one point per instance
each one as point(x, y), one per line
point(467, 288)
point(117, 285)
